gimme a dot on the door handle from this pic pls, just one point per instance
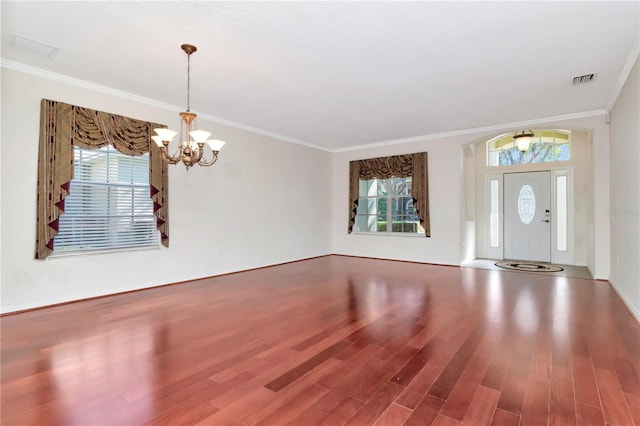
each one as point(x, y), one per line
point(545, 220)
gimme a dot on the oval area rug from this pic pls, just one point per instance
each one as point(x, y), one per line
point(530, 266)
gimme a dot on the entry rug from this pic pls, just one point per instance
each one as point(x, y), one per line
point(530, 266)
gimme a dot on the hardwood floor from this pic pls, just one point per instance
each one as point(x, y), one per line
point(330, 341)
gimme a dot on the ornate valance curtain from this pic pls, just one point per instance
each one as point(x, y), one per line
point(63, 126)
point(408, 165)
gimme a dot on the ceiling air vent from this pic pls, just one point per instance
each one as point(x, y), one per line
point(583, 79)
point(33, 46)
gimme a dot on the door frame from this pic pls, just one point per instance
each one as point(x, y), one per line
point(565, 257)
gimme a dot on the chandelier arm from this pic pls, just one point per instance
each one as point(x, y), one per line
point(171, 159)
point(199, 153)
point(205, 163)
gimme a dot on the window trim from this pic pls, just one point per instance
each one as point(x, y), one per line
point(62, 255)
point(494, 252)
point(391, 234)
point(566, 257)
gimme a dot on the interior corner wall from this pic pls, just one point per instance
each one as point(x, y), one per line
point(624, 214)
point(265, 202)
point(445, 206)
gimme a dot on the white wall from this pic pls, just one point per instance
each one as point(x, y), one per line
point(264, 202)
point(445, 174)
point(451, 219)
point(625, 192)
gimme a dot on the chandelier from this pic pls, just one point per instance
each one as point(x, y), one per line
point(191, 148)
point(523, 139)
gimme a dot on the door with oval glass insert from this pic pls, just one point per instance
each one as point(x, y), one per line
point(527, 216)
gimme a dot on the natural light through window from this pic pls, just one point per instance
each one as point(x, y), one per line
point(109, 205)
point(546, 146)
point(561, 213)
point(386, 206)
point(494, 215)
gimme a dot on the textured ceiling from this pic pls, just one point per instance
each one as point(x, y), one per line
point(341, 74)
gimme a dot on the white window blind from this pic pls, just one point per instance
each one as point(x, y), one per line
point(108, 207)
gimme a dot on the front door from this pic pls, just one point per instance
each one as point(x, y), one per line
point(527, 216)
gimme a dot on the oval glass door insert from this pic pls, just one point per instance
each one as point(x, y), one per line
point(526, 204)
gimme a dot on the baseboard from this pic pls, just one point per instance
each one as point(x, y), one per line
point(22, 309)
point(635, 313)
point(396, 260)
point(18, 310)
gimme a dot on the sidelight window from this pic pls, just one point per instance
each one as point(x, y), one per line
point(561, 213)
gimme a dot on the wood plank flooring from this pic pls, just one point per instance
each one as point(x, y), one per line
point(330, 341)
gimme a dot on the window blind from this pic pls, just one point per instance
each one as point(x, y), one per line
point(109, 207)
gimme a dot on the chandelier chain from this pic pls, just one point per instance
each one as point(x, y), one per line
point(192, 141)
point(188, 82)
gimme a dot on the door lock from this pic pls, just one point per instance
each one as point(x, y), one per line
point(545, 220)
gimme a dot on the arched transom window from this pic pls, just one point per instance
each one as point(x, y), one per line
point(546, 146)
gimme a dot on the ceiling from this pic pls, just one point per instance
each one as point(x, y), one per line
point(340, 74)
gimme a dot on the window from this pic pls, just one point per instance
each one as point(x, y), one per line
point(561, 213)
point(386, 206)
point(62, 128)
point(526, 204)
point(390, 194)
point(108, 206)
point(546, 146)
point(494, 213)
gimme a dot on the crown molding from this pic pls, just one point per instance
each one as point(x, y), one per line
point(493, 128)
point(624, 75)
point(61, 78)
point(27, 69)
